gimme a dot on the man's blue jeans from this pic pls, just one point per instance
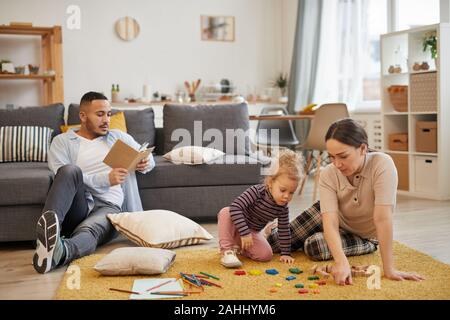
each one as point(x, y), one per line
point(83, 231)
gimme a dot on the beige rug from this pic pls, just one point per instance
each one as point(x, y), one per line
point(436, 286)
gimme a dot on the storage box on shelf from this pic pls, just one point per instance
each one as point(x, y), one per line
point(426, 174)
point(398, 141)
point(394, 93)
point(426, 136)
point(422, 153)
point(401, 162)
point(394, 124)
point(424, 92)
point(398, 95)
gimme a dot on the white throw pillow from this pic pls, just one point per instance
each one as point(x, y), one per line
point(131, 261)
point(193, 155)
point(159, 228)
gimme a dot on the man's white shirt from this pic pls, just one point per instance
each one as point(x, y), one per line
point(90, 160)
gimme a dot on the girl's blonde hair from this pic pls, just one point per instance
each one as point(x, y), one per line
point(287, 162)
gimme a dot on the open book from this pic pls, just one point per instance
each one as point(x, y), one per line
point(122, 155)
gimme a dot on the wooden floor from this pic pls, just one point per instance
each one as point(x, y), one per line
point(420, 224)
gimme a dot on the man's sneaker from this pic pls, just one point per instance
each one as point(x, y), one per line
point(230, 260)
point(50, 248)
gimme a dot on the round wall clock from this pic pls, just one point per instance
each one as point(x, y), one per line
point(127, 28)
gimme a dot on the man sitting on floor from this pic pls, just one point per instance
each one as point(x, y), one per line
point(84, 189)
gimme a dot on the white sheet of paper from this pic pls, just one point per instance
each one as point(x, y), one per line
point(143, 285)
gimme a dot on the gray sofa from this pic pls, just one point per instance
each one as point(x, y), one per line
point(197, 192)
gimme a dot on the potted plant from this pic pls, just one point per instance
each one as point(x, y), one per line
point(282, 82)
point(430, 40)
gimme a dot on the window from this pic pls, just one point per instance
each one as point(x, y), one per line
point(376, 25)
point(349, 57)
point(409, 14)
point(414, 13)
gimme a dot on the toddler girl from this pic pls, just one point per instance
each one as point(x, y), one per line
point(240, 225)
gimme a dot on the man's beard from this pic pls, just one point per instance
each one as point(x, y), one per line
point(92, 129)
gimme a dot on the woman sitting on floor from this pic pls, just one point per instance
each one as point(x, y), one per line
point(357, 198)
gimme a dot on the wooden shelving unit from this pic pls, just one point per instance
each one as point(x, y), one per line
point(22, 76)
point(51, 59)
point(421, 174)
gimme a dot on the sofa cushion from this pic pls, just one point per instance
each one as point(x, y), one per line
point(24, 183)
point(140, 123)
point(51, 116)
point(218, 117)
point(166, 174)
point(117, 122)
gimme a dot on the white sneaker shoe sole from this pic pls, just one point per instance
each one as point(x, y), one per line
point(47, 230)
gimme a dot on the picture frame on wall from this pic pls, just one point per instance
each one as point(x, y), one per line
point(217, 28)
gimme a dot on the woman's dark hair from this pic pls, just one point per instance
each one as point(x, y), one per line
point(349, 132)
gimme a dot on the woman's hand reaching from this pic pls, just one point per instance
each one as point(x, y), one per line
point(400, 276)
point(342, 273)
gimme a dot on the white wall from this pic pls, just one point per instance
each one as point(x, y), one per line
point(167, 52)
point(289, 20)
point(444, 8)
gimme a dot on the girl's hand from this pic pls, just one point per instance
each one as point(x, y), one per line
point(400, 276)
point(287, 259)
point(342, 273)
point(246, 242)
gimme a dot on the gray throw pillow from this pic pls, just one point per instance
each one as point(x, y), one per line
point(221, 117)
point(51, 116)
point(140, 123)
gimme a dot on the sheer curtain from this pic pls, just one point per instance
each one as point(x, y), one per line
point(344, 43)
point(330, 46)
point(304, 61)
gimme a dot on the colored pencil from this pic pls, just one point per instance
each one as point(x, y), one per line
point(192, 281)
point(125, 291)
point(160, 285)
point(174, 292)
point(171, 293)
point(196, 280)
point(209, 275)
point(204, 282)
point(192, 284)
point(199, 276)
point(211, 283)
